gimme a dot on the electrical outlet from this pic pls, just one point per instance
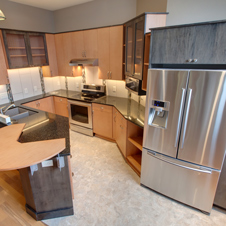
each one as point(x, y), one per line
point(25, 90)
point(35, 88)
point(4, 96)
point(114, 88)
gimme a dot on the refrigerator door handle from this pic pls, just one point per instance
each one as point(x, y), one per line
point(180, 117)
point(155, 155)
point(186, 117)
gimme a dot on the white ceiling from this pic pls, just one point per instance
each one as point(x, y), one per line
point(51, 4)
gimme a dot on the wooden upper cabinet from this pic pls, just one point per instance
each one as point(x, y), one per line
point(52, 69)
point(77, 44)
point(59, 53)
point(25, 49)
point(90, 43)
point(3, 63)
point(110, 52)
point(104, 52)
point(116, 52)
point(189, 45)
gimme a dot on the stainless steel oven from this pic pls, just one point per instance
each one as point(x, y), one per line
point(80, 117)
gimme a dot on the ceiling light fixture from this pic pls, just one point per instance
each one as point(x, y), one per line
point(2, 16)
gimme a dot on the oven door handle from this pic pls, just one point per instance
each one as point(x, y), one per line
point(79, 103)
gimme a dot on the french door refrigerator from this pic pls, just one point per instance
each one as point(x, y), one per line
point(184, 134)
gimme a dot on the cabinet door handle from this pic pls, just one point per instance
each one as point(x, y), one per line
point(194, 60)
point(189, 60)
point(85, 53)
point(101, 108)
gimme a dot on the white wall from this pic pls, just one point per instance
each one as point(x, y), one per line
point(28, 18)
point(193, 11)
point(93, 14)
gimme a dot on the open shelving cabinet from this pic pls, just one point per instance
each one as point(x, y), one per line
point(134, 146)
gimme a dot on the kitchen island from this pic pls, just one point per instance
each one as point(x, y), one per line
point(47, 185)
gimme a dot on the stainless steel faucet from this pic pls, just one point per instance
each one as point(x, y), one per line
point(3, 111)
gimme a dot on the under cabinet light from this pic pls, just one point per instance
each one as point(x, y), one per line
point(2, 16)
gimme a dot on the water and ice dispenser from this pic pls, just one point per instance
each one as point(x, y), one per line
point(158, 114)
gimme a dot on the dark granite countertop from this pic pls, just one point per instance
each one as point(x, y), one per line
point(129, 108)
point(45, 126)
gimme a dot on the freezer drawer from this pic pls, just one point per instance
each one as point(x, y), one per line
point(184, 182)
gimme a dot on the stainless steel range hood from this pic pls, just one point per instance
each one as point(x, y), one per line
point(84, 62)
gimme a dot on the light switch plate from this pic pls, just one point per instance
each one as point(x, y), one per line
point(114, 88)
point(25, 90)
point(47, 163)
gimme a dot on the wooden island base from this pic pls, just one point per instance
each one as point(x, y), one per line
point(48, 192)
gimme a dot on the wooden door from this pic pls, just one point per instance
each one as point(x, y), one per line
point(33, 104)
point(116, 52)
point(121, 133)
point(61, 106)
point(102, 120)
point(46, 104)
point(3, 63)
point(90, 43)
point(77, 44)
point(52, 69)
point(60, 53)
point(68, 54)
point(104, 52)
point(172, 46)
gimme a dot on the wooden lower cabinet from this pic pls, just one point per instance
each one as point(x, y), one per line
point(120, 130)
point(44, 104)
point(61, 106)
point(102, 120)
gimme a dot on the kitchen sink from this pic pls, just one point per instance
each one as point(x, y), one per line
point(19, 112)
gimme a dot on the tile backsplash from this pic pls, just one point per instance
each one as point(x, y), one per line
point(24, 82)
point(3, 95)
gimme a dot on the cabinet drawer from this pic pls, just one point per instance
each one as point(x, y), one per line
point(102, 107)
point(60, 100)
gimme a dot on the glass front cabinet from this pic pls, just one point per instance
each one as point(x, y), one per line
point(134, 47)
point(25, 49)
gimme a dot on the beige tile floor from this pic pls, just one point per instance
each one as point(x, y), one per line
point(107, 192)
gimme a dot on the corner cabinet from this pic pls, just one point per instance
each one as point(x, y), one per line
point(190, 46)
point(110, 52)
point(135, 31)
point(25, 49)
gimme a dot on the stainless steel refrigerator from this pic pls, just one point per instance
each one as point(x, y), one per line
point(184, 134)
